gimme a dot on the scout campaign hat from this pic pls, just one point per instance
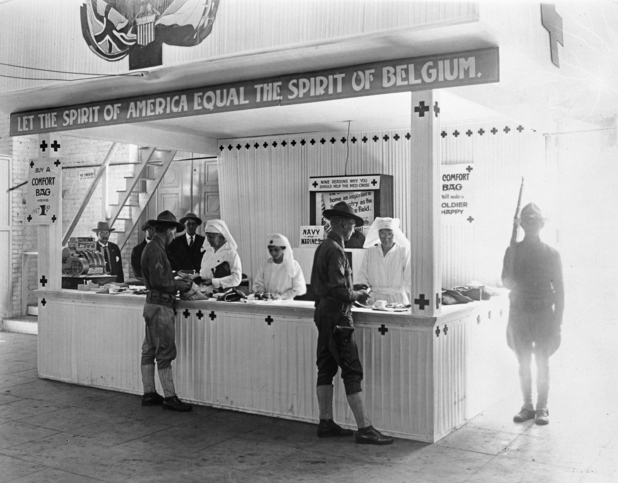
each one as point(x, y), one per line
point(531, 212)
point(191, 216)
point(167, 218)
point(343, 209)
point(103, 226)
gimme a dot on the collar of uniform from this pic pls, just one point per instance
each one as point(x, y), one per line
point(337, 238)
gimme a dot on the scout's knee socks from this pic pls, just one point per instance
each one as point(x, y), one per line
point(325, 401)
point(148, 380)
point(165, 375)
point(358, 409)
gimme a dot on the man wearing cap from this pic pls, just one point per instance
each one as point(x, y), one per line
point(532, 271)
point(331, 278)
point(136, 253)
point(160, 342)
point(185, 252)
point(221, 267)
point(111, 251)
point(386, 264)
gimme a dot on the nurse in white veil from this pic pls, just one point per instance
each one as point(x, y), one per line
point(386, 265)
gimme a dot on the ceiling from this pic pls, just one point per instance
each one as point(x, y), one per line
point(580, 95)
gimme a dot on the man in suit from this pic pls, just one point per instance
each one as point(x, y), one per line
point(136, 253)
point(185, 252)
point(111, 251)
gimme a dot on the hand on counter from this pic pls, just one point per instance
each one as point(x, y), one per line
point(363, 295)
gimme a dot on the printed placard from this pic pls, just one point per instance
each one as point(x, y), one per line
point(44, 191)
point(362, 202)
point(311, 235)
point(457, 194)
point(345, 183)
point(86, 174)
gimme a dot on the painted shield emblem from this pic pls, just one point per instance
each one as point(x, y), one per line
point(114, 29)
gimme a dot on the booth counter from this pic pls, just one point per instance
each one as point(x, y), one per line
point(424, 376)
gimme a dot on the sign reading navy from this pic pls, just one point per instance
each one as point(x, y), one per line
point(44, 191)
point(457, 194)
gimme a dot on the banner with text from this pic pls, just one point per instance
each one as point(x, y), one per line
point(411, 74)
point(457, 194)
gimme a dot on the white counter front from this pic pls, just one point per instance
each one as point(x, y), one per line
point(424, 376)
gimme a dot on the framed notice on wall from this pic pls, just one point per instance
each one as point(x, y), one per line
point(370, 195)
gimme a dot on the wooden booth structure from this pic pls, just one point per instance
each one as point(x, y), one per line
point(346, 101)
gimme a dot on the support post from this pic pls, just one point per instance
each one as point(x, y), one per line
point(425, 230)
point(49, 272)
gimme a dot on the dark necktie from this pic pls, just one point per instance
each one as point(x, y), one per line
point(191, 241)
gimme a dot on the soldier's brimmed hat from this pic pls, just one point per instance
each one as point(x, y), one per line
point(167, 218)
point(191, 216)
point(343, 210)
point(103, 226)
point(148, 224)
point(531, 212)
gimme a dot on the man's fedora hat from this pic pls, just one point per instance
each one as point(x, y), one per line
point(345, 211)
point(103, 226)
point(191, 216)
point(531, 212)
point(167, 218)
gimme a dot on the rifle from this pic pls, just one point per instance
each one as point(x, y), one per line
point(515, 223)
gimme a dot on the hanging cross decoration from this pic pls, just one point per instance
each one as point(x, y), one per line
point(199, 314)
point(43, 145)
point(212, 315)
point(55, 145)
point(43, 280)
point(269, 320)
point(382, 329)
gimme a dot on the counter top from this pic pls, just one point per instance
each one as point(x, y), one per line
point(289, 308)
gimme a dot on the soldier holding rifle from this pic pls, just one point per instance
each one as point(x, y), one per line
point(532, 271)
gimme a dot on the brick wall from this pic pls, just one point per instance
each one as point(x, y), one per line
point(76, 152)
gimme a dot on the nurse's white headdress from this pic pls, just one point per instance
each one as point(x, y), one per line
point(279, 240)
point(219, 226)
point(373, 237)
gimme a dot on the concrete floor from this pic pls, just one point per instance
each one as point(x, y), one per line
point(55, 432)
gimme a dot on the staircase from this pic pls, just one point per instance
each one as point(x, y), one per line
point(139, 190)
point(134, 198)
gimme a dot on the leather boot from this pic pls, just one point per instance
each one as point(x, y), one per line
point(329, 428)
point(175, 404)
point(371, 435)
point(150, 397)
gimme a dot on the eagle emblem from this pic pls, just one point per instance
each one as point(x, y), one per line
point(114, 29)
